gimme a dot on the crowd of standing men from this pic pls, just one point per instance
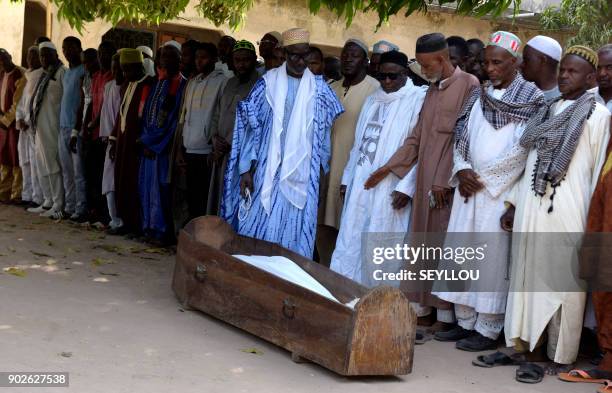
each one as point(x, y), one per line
point(311, 152)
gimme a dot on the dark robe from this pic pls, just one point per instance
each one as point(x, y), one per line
point(223, 125)
point(127, 158)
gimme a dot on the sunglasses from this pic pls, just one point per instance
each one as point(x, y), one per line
point(295, 57)
point(381, 76)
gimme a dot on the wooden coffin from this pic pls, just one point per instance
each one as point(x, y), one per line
point(376, 337)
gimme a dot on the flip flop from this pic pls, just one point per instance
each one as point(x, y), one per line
point(494, 360)
point(607, 387)
point(530, 373)
point(421, 338)
point(590, 376)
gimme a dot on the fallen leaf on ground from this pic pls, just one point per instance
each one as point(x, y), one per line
point(101, 261)
point(109, 274)
point(49, 243)
point(40, 254)
point(108, 247)
point(95, 236)
point(100, 279)
point(254, 351)
point(16, 272)
point(11, 249)
point(156, 250)
point(66, 354)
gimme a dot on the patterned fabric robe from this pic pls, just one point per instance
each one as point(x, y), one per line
point(160, 118)
point(286, 224)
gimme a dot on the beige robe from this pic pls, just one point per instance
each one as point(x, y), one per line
point(528, 313)
point(342, 139)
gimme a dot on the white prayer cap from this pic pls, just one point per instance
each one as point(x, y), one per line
point(47, 44)
point(359, 43)
point(145, 50)
point(173, 43)
point(384, 46)
point(549, 46)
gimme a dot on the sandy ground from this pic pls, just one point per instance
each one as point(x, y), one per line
point(101, 308)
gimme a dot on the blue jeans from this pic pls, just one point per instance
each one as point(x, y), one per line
point(73, 174)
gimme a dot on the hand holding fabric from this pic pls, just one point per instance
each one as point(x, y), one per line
point(376, 177)
point(400, 200)
point(469, 183)
point(246, 182)
point(442, 196)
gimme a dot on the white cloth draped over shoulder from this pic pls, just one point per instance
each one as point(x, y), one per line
point(386, 120)
point(295, 168)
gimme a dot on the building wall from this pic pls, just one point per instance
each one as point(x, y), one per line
point(11, 28)
point(326, 30)
point(267, 15)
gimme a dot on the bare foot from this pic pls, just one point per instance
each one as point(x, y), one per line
point(555, 368)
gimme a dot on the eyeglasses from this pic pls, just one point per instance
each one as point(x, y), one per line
point(381, 76)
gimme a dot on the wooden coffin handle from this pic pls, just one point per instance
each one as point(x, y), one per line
point(200, 273)
point(288, 308)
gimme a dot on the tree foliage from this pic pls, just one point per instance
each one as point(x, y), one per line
point(233, 12)
point(588, 21)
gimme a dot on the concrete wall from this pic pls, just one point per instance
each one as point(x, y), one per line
point(11, 28)
point(327, 30)
point(267, 15)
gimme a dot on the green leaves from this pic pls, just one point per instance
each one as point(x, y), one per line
point(233, 12)
point(587, 20)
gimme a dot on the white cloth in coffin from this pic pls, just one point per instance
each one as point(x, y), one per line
point(288, 270)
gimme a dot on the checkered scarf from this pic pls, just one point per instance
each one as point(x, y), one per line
point(520, 101)
point(555, 137)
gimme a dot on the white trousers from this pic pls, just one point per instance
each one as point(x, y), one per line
point(26, 147)
point(489, 325)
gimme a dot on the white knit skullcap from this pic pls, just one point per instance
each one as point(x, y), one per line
point(549, 46)
point(174, 44)
point(47, 44)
